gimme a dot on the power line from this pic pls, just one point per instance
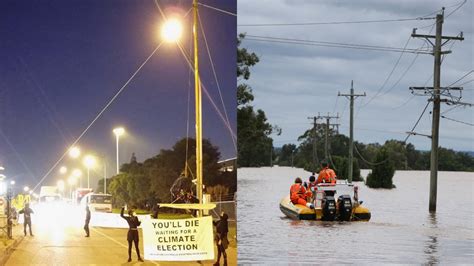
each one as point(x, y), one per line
point(100, 113)
point(216, 79)
point(334, 44)
point(452, 12)
point(218, 9)
point(333, 22)
point(454, 120)
point(417, 121)
point(461, 78)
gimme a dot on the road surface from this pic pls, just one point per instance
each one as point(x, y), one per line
point(60, 240)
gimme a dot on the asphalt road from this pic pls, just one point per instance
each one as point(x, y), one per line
point(59, 239)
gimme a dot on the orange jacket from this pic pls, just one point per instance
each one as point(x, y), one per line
point(297, 190)
point(326, 175)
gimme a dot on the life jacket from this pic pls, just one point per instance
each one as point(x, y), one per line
point(327, 176)
point(297, 191)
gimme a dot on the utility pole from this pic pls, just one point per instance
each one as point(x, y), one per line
point(326, 141)
point(351, 98)
point(436, 100)
point(315, 152)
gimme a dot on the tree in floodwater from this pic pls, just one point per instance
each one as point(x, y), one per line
point(382, 172)
point(255, 146)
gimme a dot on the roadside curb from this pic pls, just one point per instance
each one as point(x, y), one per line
point(9, 250)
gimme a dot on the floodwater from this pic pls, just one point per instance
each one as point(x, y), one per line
point(400, 231)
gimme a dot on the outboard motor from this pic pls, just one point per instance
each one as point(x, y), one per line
point(344, 207)
point(329, 208)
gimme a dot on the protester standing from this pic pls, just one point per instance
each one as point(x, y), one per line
point(88, 219)
point(222, 228)
point(132, 235)
point(27, 211)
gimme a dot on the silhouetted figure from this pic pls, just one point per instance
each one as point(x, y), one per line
point(88, 219)
point(132, 235)
point(27, 211)
point(155, 210)
point(222, 242)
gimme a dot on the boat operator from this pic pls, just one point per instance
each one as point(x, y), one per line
point(326, 175)
point(298, 194)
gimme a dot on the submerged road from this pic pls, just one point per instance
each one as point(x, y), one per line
point(59, 239)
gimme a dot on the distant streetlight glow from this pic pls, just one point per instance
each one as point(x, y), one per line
point(12, 182)
point(26, 188)
point(77, 173)
point(72, 180)
point(89, 162)
point(63, 170)
point(60, 185)
point(172, 30)
point(74, 152)
point(119, 131)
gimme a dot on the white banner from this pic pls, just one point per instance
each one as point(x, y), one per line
point(178, 239)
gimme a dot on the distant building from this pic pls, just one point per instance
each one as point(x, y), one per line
point(228, 165)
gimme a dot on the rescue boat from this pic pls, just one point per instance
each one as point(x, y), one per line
point(326, 207)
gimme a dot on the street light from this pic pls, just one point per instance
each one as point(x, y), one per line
point(119, 131)
point(12, 182)
point(63, 170)
point(89, 162)
point(172, 30)
point(77, 173)
point(74, 152)
point(26, 189)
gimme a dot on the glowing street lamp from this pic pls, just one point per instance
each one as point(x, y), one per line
point(74, 152)
point(26, 189)
point(12, 182)
point(63, 170)
point(172, 29)
point(89, 162)
point(77, 173)
point(119, 131)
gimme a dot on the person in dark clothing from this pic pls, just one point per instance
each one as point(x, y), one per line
point(155, 210)
point(27, 211)
point(222, 228)
point(88, 219)
point(132, 235)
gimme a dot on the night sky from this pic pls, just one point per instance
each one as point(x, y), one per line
point(62, 61)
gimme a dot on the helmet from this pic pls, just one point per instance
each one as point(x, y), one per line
point(312, 178)
point(298, 180)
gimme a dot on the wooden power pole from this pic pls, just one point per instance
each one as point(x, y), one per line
point(436, 93)
point(351, 98)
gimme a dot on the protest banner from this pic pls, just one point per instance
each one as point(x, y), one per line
point(179, 239)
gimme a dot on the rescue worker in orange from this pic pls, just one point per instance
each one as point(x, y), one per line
point(326, 175)
point(298, 194)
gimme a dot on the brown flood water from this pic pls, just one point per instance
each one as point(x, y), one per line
point(401, 229)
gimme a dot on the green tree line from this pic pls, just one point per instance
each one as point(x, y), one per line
point(143, 184)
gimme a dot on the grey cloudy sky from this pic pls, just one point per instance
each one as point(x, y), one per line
point(293, 82)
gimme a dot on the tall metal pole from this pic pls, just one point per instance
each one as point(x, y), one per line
point(105, 176)
point(197, 88)
point(436, 113)
point(117, 144)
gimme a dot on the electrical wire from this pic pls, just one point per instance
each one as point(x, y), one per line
point(452, 12)
point(218, 9)
point(366, 161)
point(100, 113)
point(332, 22)
point(461, 78)
point(418, 121)
point(454, 120)
point(215, 77)
point(334, 44)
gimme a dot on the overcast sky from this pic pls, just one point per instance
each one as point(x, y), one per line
point(293, 82)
